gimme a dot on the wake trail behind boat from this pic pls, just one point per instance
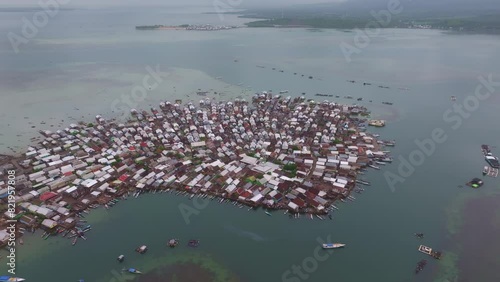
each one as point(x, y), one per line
point(243, 233)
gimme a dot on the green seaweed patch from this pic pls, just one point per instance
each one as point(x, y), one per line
point(448, 268)
point(204, 261)
point(455, 209)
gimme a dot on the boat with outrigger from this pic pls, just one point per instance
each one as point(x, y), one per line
point(132, 270)
point(333, 245)
point(11, 279)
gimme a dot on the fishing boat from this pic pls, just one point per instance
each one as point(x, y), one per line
point(11, 279)
point(374, 166)
point(121, 258)
point(269, 214)
point(333, 246)
point(74, 241)
point(132, 270)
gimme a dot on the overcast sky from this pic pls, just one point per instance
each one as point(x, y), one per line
point(242, 3)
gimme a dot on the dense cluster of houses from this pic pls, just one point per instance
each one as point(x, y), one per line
point(281, 153)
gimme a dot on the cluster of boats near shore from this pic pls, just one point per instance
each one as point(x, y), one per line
point(348, 97)
point(172, 243)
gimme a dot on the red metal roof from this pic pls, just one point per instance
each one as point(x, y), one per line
point(123, 177)
point(47, 195)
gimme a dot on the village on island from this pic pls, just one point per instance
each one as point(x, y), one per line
point(272, 152)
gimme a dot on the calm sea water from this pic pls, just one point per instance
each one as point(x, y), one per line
point(85, 59)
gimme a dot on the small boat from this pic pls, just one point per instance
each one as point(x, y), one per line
point(333, 246)
point(74, 241)
point(419, 235)
point(374, 166)
point(194, 243)
point(21, 241)
point(269, 214)
point(142, 249)
point(121, 258)
point(172, 243)
point(132, 270)
point(11, 279)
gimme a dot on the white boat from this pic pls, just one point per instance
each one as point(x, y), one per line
point(11, 279)
point(333, 246)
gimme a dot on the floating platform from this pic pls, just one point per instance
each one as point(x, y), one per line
point(489, 171)
point(428, 251)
